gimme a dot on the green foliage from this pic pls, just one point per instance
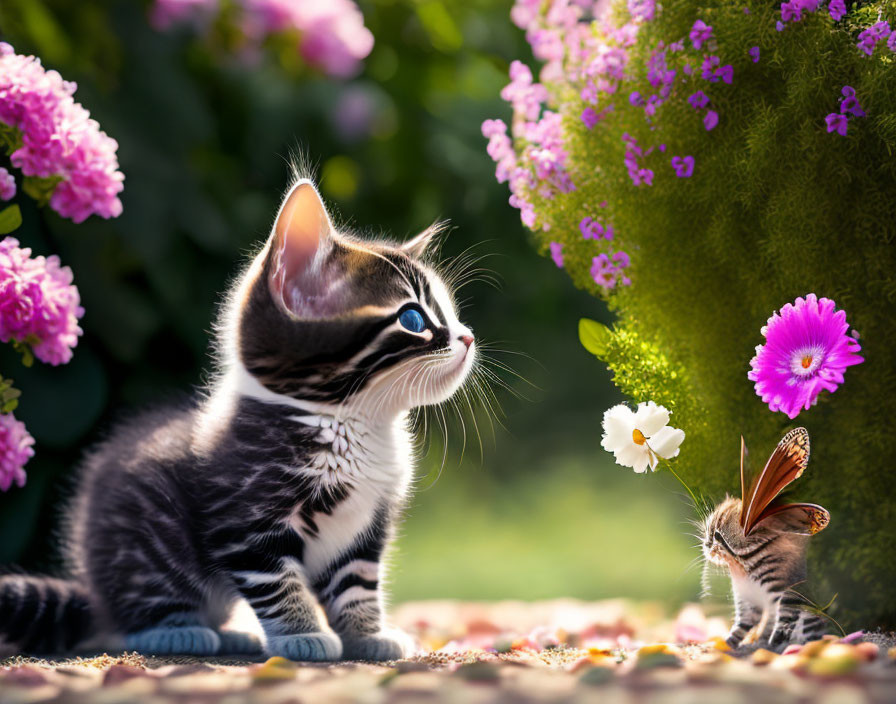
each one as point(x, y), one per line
point(9, 396)
point(10, 219)
point(776, 208)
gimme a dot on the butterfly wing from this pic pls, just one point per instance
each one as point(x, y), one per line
point(787, 463)
point(804, 519)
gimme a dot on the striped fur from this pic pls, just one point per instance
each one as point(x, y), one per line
point(280, 488)
point(764, 568)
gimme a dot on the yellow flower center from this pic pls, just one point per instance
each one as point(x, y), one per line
point(638, 437)
point(807, 361)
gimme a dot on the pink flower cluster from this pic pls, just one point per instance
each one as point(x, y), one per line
point(607, 270)
point(849, 107)
point(58, 138)
point(332, 35)
point(7, 185)
point(15, 451)
point(39, 305)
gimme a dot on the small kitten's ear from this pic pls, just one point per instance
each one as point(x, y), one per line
point(300, 243)
point(418, 246)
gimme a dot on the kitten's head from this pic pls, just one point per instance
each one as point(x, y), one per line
point(325, 317)
point(725, 544)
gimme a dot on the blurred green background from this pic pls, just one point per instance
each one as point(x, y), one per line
point(540, 511)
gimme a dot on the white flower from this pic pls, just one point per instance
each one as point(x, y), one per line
point(639, 438)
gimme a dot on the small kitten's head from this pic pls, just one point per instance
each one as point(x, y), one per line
point(724, 543)
point(326, 317)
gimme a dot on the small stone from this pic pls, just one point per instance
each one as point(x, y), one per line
point(815, 648)
point(596, 675)
point(868, 651)
point(763, 657)
point(478, 671)
point(117, 674)
point(275, 669)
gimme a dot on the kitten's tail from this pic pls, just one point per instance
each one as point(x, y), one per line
point(42, 614)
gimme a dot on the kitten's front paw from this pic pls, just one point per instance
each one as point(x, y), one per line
point(389, 644)
point(174, 640)
point(313, 647)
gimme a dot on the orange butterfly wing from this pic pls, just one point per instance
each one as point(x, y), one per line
point(787, 463)
point(804, 519)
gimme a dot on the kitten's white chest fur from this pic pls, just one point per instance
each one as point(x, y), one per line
point(373, 462)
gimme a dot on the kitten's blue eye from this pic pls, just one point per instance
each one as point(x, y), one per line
point(411, 319)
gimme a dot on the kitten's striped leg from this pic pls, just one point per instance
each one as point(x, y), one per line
point(810, 627)
point(268, 573)
point(746, 617)
point(350, 591)
point(353, 601)
point(788, 613)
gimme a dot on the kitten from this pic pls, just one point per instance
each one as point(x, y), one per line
point(762, 543)
point(282, 486)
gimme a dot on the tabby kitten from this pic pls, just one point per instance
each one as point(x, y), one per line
point(762, 543)
point(281, 487)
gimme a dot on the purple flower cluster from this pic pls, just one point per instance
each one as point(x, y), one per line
point(754, 54)
point(592, 229)
point(711, 70)
point(39, 304)
point(807, 350)
point(58, 138)
point(607, 270)
point(700, 33)
point(873, 35)
point(332, 35)
point(837, 9)
point(7, 185)
point(849, 107)
point(557, 253)
point(639, 175)
point(683, 166)
point(15, 451)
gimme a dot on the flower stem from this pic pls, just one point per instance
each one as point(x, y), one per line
point(682, 482)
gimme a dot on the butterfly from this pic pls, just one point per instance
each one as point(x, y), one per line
point(758, 497)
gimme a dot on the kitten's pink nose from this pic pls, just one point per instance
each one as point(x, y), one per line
point(466, 339)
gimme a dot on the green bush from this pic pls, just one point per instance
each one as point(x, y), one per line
point(777, 207)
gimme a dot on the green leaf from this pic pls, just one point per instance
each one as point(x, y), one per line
point(10, 219)
point(594, 337)
point(25, 350)
point(40, 188)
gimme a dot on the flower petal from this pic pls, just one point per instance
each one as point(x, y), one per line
point(666, 442)
point(650, 418)
point(631, 456)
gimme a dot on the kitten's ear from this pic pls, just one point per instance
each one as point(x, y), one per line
point(301, 240)
point(418, 246)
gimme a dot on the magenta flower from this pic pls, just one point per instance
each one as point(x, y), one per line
point(58, 138)
point(710, 120)
point(837, 122)
point(779, 25)
point(39, 305)
point(590, 117)
point(684, 166)
point(331, 35)
point(807, 349)
point(7, 185)
point(891, 42)
point(698, 100)
point(557, 253)
point(700, 33)
point(754, 54)
point(837, 8)
point(849, 104)
point(15, 451)
point(869, 38)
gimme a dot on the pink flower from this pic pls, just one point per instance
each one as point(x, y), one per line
point(608, 271)
point(39, 305)
point(700, 33)
point(710, 120)
point(557, 253)
point(525, 96)
point(807, 350)
point(838, 123)
point(15, 451)
point(837, 9)
point(683, 166)
point(58, 138)
point(7, 185)
point(331, 35)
